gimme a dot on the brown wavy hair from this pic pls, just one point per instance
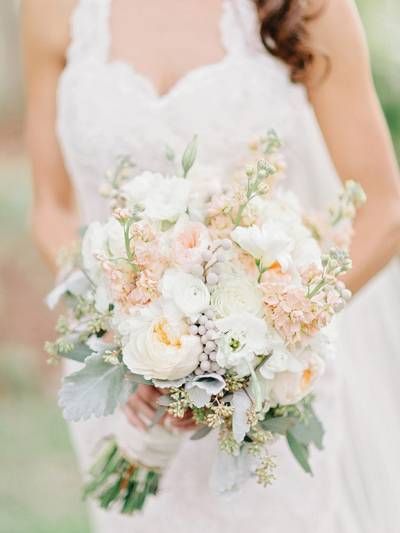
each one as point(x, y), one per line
point(283, 31)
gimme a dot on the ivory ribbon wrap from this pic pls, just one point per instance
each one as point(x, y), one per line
point(154, 448)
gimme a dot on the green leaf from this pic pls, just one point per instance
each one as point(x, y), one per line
point(166, 225)
point(201, 433)
point(309, 431)
point(79, 352)
point(300, 451)
point(189, 156)
point(169, 153)
point(95, 390)
point(280, 424)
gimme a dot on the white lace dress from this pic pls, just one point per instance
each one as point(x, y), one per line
point(106, 108)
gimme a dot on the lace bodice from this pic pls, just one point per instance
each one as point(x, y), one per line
point(106, 108)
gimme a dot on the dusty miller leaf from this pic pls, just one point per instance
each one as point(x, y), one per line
point(300, 452)
point(79, 352)
point(95, 390)
point(280, 424)
point(309, 431)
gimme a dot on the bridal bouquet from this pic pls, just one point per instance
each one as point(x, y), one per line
point(221, 300)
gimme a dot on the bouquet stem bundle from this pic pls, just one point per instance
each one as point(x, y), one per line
point(114, 480)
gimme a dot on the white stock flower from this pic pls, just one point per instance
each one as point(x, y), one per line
point(235, 293)
point(188, 293)
point(92, 244)
point(268, 244)
point(102, 239)
point(242, 337)
point(160, 197)
point(157, 344)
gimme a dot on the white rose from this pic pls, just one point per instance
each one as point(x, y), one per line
point(289, 387)
point(268, 244)
point(157, 344)
point(242, 337)
point(188, 293)
point(236, 294)
point(160, 197)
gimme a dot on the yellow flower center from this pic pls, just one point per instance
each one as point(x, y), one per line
point(307, 377)
point(164, 336)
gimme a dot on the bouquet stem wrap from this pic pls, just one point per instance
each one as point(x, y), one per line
point(131, 465)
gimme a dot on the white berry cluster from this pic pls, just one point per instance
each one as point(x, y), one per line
point(205, 328)
point(203, 325)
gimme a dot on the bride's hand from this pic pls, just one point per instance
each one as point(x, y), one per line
point(141, 408)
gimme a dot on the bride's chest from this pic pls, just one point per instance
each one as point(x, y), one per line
point(106, 109)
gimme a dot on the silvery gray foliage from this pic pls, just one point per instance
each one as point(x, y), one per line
point(95, 390)
point(201, 388)
point(80, 352)
point(240, 426)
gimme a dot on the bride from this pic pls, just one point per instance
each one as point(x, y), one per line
point(106, 78)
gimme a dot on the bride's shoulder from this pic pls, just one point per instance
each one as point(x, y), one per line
point(46, 24)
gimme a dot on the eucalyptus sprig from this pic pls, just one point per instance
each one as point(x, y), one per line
point(256, 186)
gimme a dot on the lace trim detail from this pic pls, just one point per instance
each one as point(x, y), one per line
point(91, 35)
point(89, 31)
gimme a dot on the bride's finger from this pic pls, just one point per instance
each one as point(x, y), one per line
point(142, 407)
point(134, 418)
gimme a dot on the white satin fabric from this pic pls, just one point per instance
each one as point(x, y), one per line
point(106, 108)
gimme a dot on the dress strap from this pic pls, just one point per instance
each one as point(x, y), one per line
point(90, 31)
point(247, 22)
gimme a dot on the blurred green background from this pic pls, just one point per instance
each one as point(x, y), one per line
point(39, 481)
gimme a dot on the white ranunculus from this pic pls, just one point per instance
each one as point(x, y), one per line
point(291, 386)
point(160, 197)
point(268, 244)
point(188, 293)
point(156, 343)
point(234, 294)
point(281, 360)
point(241, 337)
